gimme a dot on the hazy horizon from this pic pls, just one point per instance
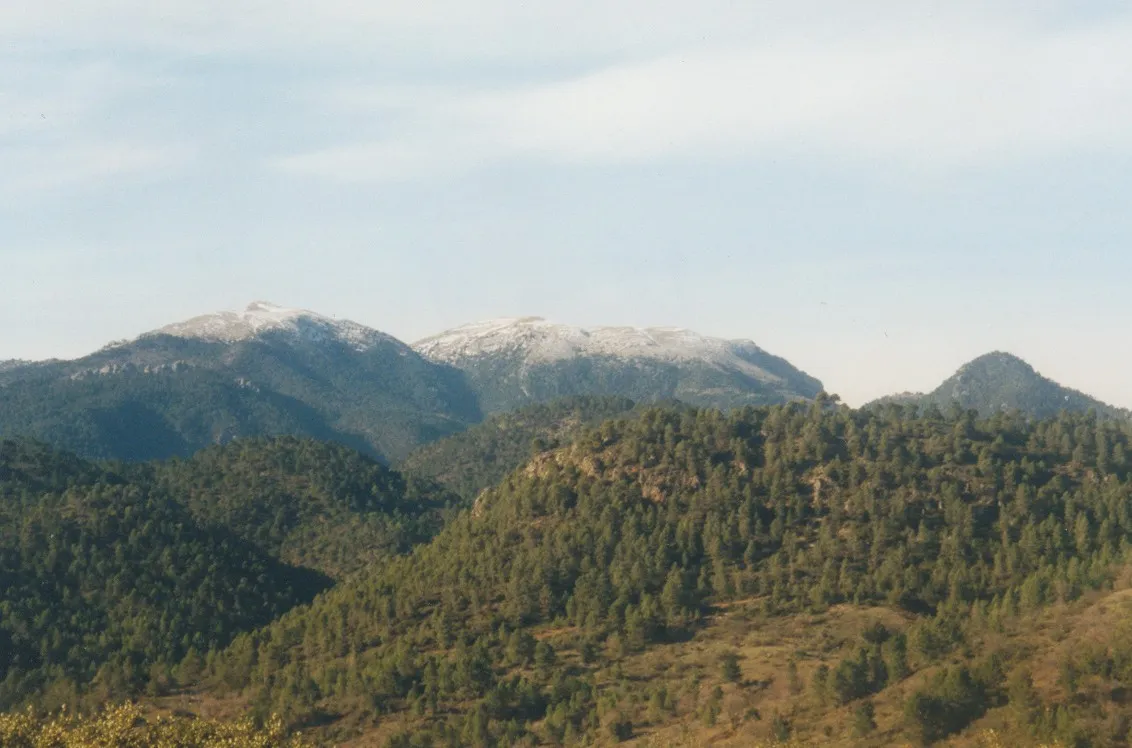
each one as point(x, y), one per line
point(876, 194)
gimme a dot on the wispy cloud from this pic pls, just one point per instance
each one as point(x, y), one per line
point(28, 171)
point(974, 95)
point(38, 96)
point(914, 83)
point(441, 31)
point(60, 128)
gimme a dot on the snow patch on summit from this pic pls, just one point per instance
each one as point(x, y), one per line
point(263, 317)
point(540, 341)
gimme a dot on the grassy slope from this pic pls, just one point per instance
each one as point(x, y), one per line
point(690, 671)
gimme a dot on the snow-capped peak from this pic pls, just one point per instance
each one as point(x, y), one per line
point(538, 341)
point(263, 317)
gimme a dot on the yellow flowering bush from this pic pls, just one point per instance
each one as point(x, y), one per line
point(125, 726)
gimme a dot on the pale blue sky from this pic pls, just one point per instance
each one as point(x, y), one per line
point(879, 195)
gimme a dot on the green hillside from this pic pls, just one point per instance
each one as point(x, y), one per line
point(104, 577)
point(119, 578)
point(313, 504)
point(520, 621)
point(483, 455)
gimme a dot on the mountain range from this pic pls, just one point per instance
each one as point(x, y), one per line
point(266, 370)
point(269, 370)
point(274, 370)
point(584, 572)
point(514, 362)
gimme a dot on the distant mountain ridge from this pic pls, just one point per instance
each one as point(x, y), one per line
point(272, 370)
point(267, 370)
point(261, 317)
point(514, 362)
point(1000, 381)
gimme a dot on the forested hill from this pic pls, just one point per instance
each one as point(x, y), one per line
point(314, 504)
point(514, 623)
point(28, 468)
point(998, 382)
point(117, 577)
point(483, 455)
point(104, 576)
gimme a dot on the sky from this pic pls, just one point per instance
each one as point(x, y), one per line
point(876, 191)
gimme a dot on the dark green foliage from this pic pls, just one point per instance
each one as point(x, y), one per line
point(858, 676)
point(713, 707)
point(102, 577)
point(544, 655)
point(620, 728)
point(312, 504)
point(896, 658)
point(729, 668)
point(29, 468)
point(1023, 697)
point(521, 647)
point(876, 634)
point(953, 700)
point(483, 455)
point(117, 577)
